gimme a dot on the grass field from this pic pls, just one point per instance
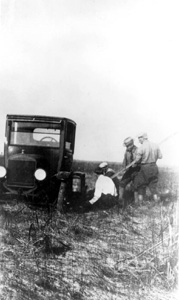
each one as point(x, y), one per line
point(109, 254)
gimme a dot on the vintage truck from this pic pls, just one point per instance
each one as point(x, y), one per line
point(37, 162)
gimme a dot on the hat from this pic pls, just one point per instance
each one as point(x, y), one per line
point(142, 134)
point(128, 141)
point(101, 167)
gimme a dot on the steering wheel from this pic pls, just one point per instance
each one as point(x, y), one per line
point(50, 139)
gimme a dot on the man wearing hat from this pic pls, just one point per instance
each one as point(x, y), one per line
point(147, 155)
point(131, 172)
point(108, 172)
point(105, 191)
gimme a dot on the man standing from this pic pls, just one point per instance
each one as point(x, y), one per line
point(147, 155)
point(129, 157)
point(105, 191)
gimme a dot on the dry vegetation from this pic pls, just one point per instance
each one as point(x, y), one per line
point(111, 254)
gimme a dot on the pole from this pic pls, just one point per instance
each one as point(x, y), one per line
point(122, 171)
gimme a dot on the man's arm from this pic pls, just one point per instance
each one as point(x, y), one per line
point(124, 163)
point(138, 156)
point(159, 153)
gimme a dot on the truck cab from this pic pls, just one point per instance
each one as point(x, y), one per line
point(38, 158)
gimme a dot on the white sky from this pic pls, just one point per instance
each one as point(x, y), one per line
point(110, 65)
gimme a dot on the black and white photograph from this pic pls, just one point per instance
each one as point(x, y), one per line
point(89, 139)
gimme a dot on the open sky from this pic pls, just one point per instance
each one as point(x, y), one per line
point(110, 65)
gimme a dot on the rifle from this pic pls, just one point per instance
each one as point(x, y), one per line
point(122, 171)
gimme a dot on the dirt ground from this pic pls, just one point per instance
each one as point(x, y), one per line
point(106, 254)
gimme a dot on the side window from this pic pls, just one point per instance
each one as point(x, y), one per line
point(70, 137)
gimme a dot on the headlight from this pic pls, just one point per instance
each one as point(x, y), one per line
point(40, 174)
point(2, 172)
point(76, 184)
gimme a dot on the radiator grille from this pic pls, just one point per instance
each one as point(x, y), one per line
point(21, 172)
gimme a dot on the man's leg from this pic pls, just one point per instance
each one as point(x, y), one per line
point(121, 193)
point(136, 197)
point(122, 187)
point(141, 191)
point(121, 197)
point(153, 180)
point(154, 192)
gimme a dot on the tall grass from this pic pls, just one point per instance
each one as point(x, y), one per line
point(106, 254)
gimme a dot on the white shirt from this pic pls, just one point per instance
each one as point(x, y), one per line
point(104, 185)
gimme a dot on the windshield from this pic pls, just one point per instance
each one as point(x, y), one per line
point(35, 134)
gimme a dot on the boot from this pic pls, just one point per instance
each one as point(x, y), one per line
point(140, 199)
point(156, 198)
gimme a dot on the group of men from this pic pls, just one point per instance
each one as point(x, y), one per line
point(139, 168)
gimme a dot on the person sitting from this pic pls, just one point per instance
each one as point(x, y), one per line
point(108, 172)
point(105, 192)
